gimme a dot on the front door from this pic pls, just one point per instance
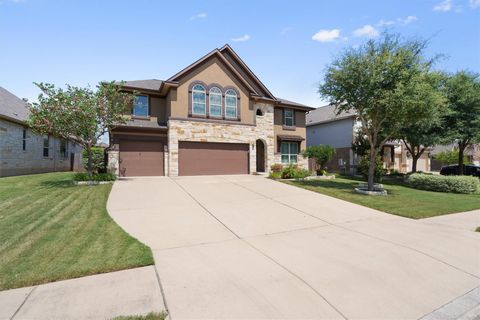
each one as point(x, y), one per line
point(260, 156)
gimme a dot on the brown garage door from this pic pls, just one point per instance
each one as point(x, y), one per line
point(201, 158)
point(141, 158)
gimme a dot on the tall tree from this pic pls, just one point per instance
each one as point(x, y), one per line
point(373, 80)
point(463, 122)
point(425, 130)
point(78, 113)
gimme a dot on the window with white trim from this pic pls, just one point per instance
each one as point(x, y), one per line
point(288, 115)
point(230, 104)
point(215, 102)
point(198, 100)
point(289, 151)
point(140, 106)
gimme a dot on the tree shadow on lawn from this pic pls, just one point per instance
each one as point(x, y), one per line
point(341, 186)
point(55, 183)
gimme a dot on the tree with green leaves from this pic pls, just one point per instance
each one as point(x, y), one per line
point(374, 82)
point(322, 154)
point(425, 130)
point(463, 122)
point(449, 157)
point(78, 113)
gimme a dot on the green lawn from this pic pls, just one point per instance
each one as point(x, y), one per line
point(52, 230)
point(401, 200)
point(150, 316)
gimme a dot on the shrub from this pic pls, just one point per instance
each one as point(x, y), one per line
point(450, 157)
point(84, 176)
point(276, 167)
point(456, 184)
point(287, 172)
point(362, 168)
point(275, 175)
point(98, 159)
point(322, 154)
point(301, 173)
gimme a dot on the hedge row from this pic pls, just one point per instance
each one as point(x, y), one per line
point(83, 176)
point(455, 184)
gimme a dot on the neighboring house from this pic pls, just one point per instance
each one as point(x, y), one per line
point(213, 117)
point(472, 153)
point(324, 126)
point(22, 151)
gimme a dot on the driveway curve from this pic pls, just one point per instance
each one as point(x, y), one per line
point(248, 247)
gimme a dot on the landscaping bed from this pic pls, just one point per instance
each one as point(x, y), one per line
point(401, 200)
point(51, 229)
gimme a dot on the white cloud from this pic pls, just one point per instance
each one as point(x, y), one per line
point(245, 37)
point(474, 3)
point(444, 6)
point(326, 35)
point(201, 15)
point(385, 23)
point(407, 20)
point(366, 31)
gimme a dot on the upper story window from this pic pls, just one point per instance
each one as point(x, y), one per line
point(288, 117)
point(140, 106)
point(215, 102)
point(230, 103)
point(46, 146)
point(198, 100)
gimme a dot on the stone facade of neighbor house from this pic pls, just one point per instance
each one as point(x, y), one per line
point(324, 126)
point(213, 117)
point(24, 152)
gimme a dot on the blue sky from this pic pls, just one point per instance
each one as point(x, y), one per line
point(288, 44)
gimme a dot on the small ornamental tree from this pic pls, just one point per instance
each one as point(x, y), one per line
point(78, 113)
point(463, 121)
point(374, 82)
point(322, 154)
point(449, 157)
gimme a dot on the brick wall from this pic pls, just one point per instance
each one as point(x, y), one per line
point(16, 161)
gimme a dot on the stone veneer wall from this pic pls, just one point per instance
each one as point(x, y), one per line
point(16, 161)
point(184, 130)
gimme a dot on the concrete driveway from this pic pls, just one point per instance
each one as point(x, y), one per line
point(248, 247)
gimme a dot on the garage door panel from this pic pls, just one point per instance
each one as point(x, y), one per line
point(207, 158)
point(141, 158)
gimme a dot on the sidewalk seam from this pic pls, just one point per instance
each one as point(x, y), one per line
point(162, 292)
point(21, 305)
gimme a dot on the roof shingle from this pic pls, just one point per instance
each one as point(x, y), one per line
point(12, 106)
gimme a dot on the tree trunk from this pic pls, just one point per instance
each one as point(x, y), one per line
point(89, 160)
point(461, 149)
point(371, 167)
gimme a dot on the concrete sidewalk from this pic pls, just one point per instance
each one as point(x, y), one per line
point(102, 296)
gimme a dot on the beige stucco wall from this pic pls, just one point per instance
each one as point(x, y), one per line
point(211, 72)
point(16, 161)
point(158, 109)
point(300, 127)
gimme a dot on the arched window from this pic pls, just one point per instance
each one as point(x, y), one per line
point(198, 100)
point(259, 112)
point(215, 102)
point(230, 104)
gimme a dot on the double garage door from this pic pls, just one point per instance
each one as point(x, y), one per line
point(203, 158)
point(145, 158)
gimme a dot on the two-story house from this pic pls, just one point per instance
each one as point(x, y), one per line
point(213, 117)
point(325, 126)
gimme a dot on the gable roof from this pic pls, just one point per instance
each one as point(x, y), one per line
point(327, 113)
point(12, 107)
point(233, 63)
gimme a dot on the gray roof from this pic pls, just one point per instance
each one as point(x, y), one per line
point(150, 84)
point(12, 106)
point(139, 123)
point(293, 103)
point(327, 114)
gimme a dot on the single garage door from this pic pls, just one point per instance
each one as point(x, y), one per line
point(202, 158)
point(141, 158)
